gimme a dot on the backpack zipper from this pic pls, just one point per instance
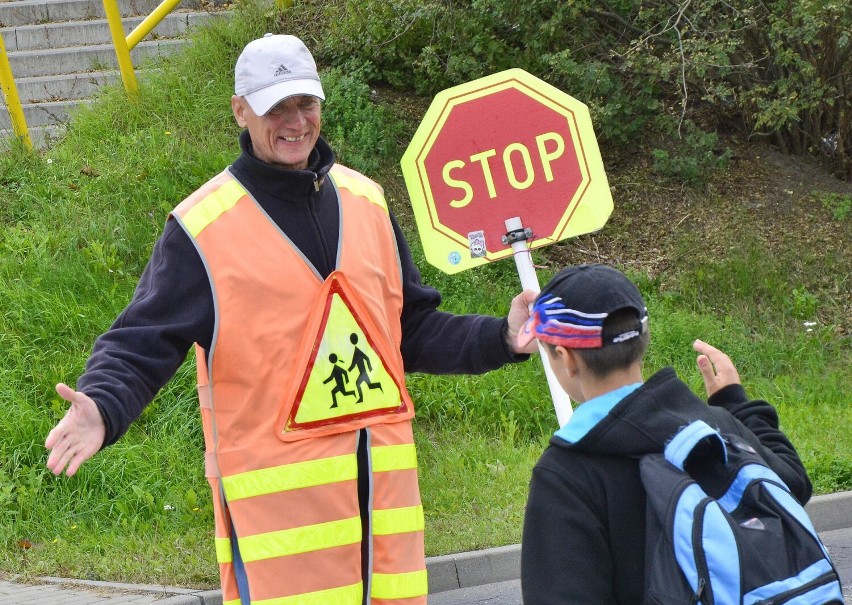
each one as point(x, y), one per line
point(825, 578)
point(703, 589)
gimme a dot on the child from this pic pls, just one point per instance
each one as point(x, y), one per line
point(584, 528)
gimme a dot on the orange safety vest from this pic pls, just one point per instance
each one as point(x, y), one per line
point(296, 367)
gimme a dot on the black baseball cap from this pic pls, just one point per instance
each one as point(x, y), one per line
point(573, 308)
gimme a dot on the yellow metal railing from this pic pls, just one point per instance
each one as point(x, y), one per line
point(10, 96)
point(123, 45)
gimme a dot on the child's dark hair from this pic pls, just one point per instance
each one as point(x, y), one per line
point(604, 360)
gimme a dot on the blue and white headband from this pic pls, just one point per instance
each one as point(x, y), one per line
point(552, 322)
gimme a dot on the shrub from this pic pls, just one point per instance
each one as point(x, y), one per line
point(779, 70)
point(692, 158)
point(361, 132)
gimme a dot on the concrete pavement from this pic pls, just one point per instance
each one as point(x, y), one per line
point(473, 578)
point(838, 542)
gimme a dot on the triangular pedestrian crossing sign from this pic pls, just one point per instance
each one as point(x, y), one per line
point(345, 376)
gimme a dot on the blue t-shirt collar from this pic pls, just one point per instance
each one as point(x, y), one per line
point(588, 414)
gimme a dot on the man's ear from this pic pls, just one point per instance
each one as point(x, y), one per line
point(238, 107)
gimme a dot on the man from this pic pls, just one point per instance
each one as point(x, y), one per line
point(273, 269)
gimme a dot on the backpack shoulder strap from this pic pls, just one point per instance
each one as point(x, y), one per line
point(682, 444)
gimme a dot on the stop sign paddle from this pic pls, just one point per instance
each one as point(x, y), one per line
point(504, 146)
point(499, 166)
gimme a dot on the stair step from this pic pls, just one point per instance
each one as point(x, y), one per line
point(40, 136)
point(32, 12)
point(96, 31)
point(60, 52)
point(62, 87)
point(43, 114)
point(80, 59)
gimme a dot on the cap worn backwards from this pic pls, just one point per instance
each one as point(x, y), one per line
point(573, 308)
point(275, 67)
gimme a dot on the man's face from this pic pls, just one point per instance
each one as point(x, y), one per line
point(286, 135)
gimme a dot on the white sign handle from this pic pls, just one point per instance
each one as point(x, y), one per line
point(529, 281)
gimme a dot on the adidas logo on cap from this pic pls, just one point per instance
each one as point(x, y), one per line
point(281, 71)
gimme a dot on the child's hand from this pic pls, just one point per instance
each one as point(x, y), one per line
point(716, 368)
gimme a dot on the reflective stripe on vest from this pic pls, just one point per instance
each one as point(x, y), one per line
point(212, 207)
point(291, 541)
point(290, 476)
point(300, 539)
point(398, 520)
point(294, 505)
point(345, 595)
point(358, 184)
point(399, 586)
point(394, 457)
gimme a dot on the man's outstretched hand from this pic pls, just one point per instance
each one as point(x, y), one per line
point(78, 436)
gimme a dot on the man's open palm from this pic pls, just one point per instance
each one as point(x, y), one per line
point(78, 436)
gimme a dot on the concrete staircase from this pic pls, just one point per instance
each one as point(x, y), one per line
point(61, 51)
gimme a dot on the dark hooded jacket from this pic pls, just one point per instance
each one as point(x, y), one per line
point(584, 527)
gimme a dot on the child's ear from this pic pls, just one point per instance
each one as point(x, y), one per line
point(567, 358)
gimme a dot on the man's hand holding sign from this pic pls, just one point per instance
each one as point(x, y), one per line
point(500, 166)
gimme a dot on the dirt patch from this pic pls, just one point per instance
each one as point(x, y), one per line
point(790, 208)
point(787, 206)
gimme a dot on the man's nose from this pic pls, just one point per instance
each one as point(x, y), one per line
point(293, 116)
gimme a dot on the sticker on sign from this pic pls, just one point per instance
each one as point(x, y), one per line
point(503, 146)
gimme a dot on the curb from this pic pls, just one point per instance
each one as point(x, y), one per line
point(831, 511)
point(460, 570)
point(467, 569)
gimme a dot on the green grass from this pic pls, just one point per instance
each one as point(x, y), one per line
point(77, 224)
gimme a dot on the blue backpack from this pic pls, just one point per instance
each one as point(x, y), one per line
point(749, 542)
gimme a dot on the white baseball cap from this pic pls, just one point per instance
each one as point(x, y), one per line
point(275, 67)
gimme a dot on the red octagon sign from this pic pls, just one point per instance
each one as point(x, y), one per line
point(504, 146)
